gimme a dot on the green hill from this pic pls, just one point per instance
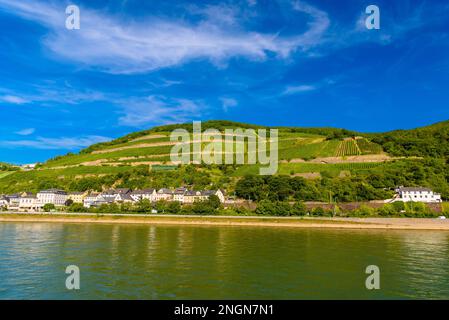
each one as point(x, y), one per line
point(142, 159)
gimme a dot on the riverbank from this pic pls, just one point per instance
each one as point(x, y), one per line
point(302, 222)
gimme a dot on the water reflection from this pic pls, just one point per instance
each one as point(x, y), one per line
point(201, 262)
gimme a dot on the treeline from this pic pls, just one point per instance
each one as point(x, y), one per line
point(362, 185)
point(264, 208)
point(283, 188)
point(431, 141)
point(7, 167)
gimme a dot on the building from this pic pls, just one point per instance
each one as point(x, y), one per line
point(4, 201)
point(164, 194)
point(219, 193)
point(416, 194)
point(52, 196)
point(29, 203)
point(149, 194)
point(90, 198)
point(178, 194)
point(112, 193)
point(192, 196)
point(13, 201)
point(76, 197)
point(124, 198)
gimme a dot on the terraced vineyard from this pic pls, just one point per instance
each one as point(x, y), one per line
point(298, 168)
point(367, 147)
point(153, 147)
point(348, 147)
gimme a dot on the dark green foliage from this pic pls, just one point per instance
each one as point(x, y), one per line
point(430, 141)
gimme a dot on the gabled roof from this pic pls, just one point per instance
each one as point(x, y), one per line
point(414, 189)
point(165, 191)
point(193, 193)
point(143, 191)
point(57, 191)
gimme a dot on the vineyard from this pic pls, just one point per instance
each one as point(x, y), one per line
point(367, 147)
point(348, 148)
point(294, 168)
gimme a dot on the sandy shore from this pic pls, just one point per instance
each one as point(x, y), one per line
point(338, 223)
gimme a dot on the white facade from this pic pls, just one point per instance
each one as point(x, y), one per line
point(164, 194)
point(52, 196)
point(29, 203)
point(90, 199)
point(149, 194)
point(417, 195)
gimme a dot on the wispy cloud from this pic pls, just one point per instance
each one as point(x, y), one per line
point(68, 143)
point(159, 109)
point(13, 99)
point(298, 89)
point(227, 103)
point(25, 132)
point(65, 94)
point(117, 46)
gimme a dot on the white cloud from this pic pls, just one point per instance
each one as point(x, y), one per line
point(227, 103)
point(298, 89)
point(158, 109)
point(26, 132)
point(116, 46)
point(51, 93)
point(70, 143)
point(13, 99)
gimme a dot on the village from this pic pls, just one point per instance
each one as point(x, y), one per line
point(29, 202)
point(58, 199)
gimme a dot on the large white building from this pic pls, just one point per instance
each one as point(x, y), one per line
point(52, 196)
point(29, 202)
point(416, 194)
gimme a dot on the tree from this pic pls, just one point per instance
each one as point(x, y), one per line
point(77, 207)
point(173, 207)
point(68, 202)
point(298, 209)
point(214, 201)
point(48, 207)
point(143, 206)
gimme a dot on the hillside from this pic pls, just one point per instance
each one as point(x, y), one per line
point(429, 141)
point(153, 146)
point(142, 159)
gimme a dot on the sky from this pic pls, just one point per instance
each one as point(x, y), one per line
point(134, 64)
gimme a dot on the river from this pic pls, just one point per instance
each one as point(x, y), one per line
point(119, 261)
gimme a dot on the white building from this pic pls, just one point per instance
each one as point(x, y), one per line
point(13, 202)
point(219, 193)
point(90, 199)
point(149, 194)
point(52, 196)
point(164, 194)
point(416, 194)
point(178, 194)
point(29, 202)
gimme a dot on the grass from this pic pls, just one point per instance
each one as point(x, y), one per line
point(288, 168)
point(5, 174)
point(28, 180)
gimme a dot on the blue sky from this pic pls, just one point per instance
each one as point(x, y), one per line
point(135, 64)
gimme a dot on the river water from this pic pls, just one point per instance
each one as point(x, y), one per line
point(207, 262)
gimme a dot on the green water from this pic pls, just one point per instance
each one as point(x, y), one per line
point(199, 262)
